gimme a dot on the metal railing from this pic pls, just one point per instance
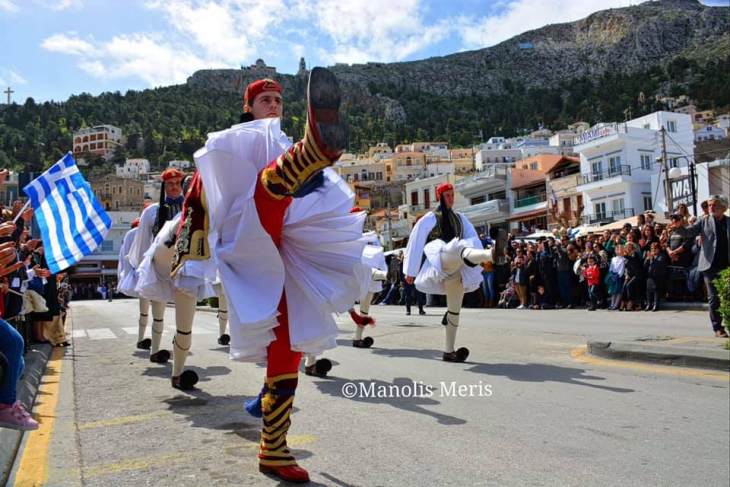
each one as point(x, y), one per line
point(608, 216)
point(530, 200)
point(623, 170)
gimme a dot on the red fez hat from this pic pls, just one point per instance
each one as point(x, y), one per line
point(443, 187)
point(171, 173)
point(135, 222)
point(257, 87)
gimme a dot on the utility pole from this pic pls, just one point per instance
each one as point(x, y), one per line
point(390, 227)
point(667, 182)
point(692, 186)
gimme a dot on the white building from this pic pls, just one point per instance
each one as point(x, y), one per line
point(439, 168)
point(618, 161)
point(531, 147)
point(420, 195)
point(100, 140)
point(493, 154)
point(485, 196)
point(182, 165)
point(563, 140)
point(709, 132)
point(102, 263)
point(723, 122)
point(134, 169)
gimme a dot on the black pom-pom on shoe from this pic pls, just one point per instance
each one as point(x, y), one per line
point(186, 381)
point(160, 357)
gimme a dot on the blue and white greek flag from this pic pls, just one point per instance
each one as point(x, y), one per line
point(72, 222)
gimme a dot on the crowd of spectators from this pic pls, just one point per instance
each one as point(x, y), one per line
point(91, 290)
point(33, 305)
point(631, 268)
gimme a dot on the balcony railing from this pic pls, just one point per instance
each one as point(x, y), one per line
point(530, 200)
point(610, 173)
point(608, 216)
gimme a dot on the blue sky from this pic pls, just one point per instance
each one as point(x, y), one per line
point(51, 49)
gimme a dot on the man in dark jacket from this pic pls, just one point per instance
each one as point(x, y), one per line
point(548, 274)
point(714, 231)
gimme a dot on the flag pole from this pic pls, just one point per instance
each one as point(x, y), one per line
point(22, 210)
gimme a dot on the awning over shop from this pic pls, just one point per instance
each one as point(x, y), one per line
point(528, 215)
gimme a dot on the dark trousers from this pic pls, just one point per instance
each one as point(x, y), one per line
point(652, 294)
point(593, 294)
point(631, 289)
point(550, 283)
point(382, 294)
point(565, 284)
point(413, 295)
point(713, 298)
point(391, 296)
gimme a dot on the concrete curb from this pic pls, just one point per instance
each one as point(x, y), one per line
point(684, 306)
point(35, 366)
point(703, 358)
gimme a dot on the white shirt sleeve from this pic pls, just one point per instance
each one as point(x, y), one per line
point(143, 238)
point(416, 243)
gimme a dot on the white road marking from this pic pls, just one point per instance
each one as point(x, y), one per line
point(78, 334)
point(100, 333)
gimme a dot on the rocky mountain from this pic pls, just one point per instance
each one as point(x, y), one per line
point(616, 41)
point(613, 64)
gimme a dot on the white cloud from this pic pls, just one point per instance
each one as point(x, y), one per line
point(65, 4)
point(59, 5)
point(228, 31)
point(10, 77)
point(11, 6)
point(524, 15)
point(8, 6)
point(146, 56)
point(372, 30)
point(67, 44)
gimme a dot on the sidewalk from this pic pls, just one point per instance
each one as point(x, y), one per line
point(35, 366)
point(701, 352)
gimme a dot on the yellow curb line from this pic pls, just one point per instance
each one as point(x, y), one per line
point(33, 467)
point(581, 355)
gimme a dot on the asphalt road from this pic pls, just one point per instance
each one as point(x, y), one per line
point(527, 409)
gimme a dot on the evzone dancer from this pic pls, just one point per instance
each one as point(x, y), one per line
point(151, 267)
point(288, 249)
point(128, 282)
point(192, 276)
point(453, 253)
point(373, 260)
